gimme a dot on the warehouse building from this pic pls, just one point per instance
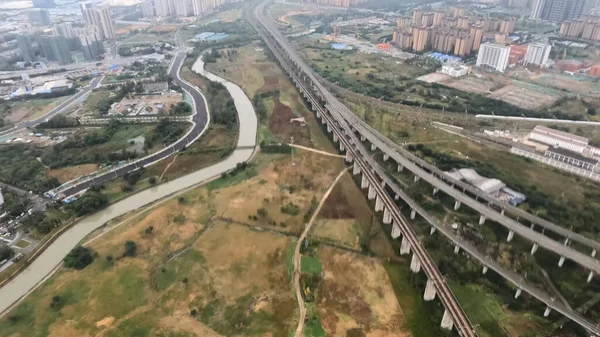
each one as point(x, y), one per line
point(559, 138)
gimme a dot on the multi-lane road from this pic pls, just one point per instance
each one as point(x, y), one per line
point(41, 267)
point(57, 110)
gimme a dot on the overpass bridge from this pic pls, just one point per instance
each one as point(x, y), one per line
point(346, 130)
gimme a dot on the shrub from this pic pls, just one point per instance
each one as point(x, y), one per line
point(79, 258)
point(262, 212)
point(152, 180)
point(290, 208)
point(130, 248)
point(179, 218)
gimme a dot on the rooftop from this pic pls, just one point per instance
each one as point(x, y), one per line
point(560, 134)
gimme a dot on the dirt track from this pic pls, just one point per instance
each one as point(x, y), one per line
point(297, 256)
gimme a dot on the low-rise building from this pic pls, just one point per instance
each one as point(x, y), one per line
point(559, 139)
point(571, 158)
point(456, 70)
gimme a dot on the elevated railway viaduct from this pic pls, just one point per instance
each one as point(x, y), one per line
point(350, 133)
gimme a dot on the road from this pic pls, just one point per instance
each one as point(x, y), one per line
point(35, 273)
point(199, 123)
point(57, 110)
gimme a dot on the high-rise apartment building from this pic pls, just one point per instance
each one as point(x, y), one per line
point(403, 22)
point(507, 26)
point(161, 7)
point(557, 10)
point(477, 32)
point(43, 4)
point(537, 54)
point(438, 16)
point(91, 46)
point(56, 48)
point(147, 9)
point(26, 48)
point(39, 17)
point(493, 56)
point(427, 19)
point(459, 11)
point(417, 17)
point(99, 17)
point(420, 37)
point(182, 7)
point(64, 29)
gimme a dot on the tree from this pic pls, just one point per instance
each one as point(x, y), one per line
point(5, 252)
point(130, 248)
point(89, 202)
point(79, 258)
point(152, 180)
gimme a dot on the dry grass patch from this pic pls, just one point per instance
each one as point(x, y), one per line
point(72, 172)
point(348, 307)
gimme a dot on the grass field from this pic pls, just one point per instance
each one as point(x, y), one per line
point(30, 109)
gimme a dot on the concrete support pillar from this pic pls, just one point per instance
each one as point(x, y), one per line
point(435, 190)
point(400, 168)
point(355, 169)
point(387, 216)
point(318, 113)
point(396, 232)
point(335, 138)
point(532, 226)
point(518, 293)
point(348, 157)
point(396, 197)
point(415, 264)
point(561, 261)
point(594, 253)
point(385, 157)
point(371, 195)
point(590, 276)
point(547, 312)
point(456, 249)
point(447, 322)
point(566, 241)
point(373, 147)
point(429, 291)
point(364, 183)
point(328, 128)
point(431, 230)
point(413, 213)
point(342, 147)
point(362, 138)
point(405, 246)
point(481, 219)
point(378, 204)
point(456, 205)
point(502, 212)
point(416, 178)
point(510, 236)
point(534, 248)
point(485, 269)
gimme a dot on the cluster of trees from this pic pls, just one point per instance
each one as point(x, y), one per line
point(5, 252)
point(166, 132)
point(79, 258)
point(90, 202)
point(181, 108)
point(125, 52)
point(259, 104)
point(21, 168)
point(222, 107)
point(103, 105)
point(58, 122)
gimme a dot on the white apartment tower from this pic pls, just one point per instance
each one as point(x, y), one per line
point(182, 7)
point(162, 7)
point(64, 29)
point(494, 56)
point(100, 18)
point(536, 9)
point(147, 9)
point(537, 53)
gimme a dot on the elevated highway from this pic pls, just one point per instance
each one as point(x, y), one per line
point(346, 129)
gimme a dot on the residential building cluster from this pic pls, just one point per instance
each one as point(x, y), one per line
point(181, 8)
point(498, 57)
point(558, 10)
point(100, 18)
point(341, 3)
point(587, 28)
point(456, 33)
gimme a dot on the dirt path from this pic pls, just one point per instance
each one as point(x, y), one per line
point(167, 167)
point(297, 256)
point(316, 151)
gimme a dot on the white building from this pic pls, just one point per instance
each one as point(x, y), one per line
point(558, 138)
point(537, 53)
point(64, 29)
point(455, 70)
point(101, 19)
point(494, 56)
point(162, 7)
point(182, 7)
point(147, 9)
point(536, 9)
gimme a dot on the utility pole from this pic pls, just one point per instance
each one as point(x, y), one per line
point(292, 147)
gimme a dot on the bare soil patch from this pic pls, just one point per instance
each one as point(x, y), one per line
point(72, 172)
point(280, 125)
point(368, 307)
